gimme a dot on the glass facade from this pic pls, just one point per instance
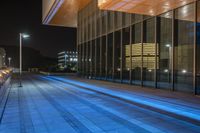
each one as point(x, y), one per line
point(161, 51)
point(117, 55)
point(198, 48)
point(164, 40)
point(149, 48)
point(126, 58)
point(184, 48)
point(136, 54)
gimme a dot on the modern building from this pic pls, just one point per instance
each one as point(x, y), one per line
point(154, 43)
point(67, 59)
point(2, 58)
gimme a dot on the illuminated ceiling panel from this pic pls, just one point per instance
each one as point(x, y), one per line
point(144, 7)
point(62, 12)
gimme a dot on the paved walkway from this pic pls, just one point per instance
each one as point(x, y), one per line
point(48, 104)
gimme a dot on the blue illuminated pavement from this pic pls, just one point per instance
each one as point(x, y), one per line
point(50, 104)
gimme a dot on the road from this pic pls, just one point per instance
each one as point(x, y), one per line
point(47, 105)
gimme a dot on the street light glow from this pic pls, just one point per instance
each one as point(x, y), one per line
point(25, 35)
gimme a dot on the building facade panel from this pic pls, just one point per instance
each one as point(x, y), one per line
point(155, 51)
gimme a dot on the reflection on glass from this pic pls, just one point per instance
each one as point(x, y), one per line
point(117, 67)
point(104, 22)
point(93, 59)
point(126, 55)
point(88, 60)
point(98, 58)
point(79, 59)
point(110, 56)
point(149, 52)
point(184, 48)
point(164, 51)
point(84, 59)
point(198, 48)
point(118, 19)
point(110, 21)
point(136, 54)
point(103, 59)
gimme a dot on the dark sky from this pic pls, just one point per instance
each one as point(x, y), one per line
point(26, 16)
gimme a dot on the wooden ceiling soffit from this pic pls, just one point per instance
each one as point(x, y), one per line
point(64, 12)
point(144, 7)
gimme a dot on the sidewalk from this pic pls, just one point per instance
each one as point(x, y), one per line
point(175, 104)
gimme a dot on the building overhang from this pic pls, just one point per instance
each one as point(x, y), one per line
point(144, 7)
point(62, 12)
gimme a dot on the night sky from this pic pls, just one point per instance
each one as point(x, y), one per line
point(26, 16)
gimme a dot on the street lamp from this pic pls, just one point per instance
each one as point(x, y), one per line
point(21, 36)
point(9, 60)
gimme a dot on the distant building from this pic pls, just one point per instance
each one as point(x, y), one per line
point(67, 59)
point(2, 57)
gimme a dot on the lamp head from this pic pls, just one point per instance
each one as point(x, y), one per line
point(25, 35)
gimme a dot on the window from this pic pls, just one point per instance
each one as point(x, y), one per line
point(149, 53)
point(184, 48)
point(164, 51)
point(136, 53)
point(117, 58)
point(126, 49)
point(198, 48)
point(110, 21)
point(98, 50)
point(93, 57)
point(110, 56)
point(88, 58)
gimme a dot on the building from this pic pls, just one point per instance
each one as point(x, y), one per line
point(2, 57)
point(67, 59)
point(148, 43)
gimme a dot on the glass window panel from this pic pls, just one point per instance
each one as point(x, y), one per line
point(184, 48)
point(198, 47)
point(118, 20)
point(110, 56)
point(93, 58)
point(98, 26)
point(126, 62)
point(125, 19)
point(164, 51)
point(85, 58)
point(136, 54)
point(117, 67)
point(79, 59)
point(110, 21)
point(149, 53)
point(136, 18)
point(88, 58)
point(98, 58)
point(104, 22)
point(103, 60)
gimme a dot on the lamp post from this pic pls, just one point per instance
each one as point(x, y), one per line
point(9, 61)
point(21, 36)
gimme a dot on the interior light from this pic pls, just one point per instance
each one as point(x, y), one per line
point(168, 45)
point(166, 70)
point(184, 71)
